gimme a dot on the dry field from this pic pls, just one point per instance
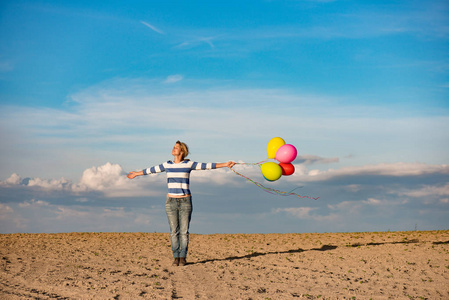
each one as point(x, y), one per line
point(369, 265)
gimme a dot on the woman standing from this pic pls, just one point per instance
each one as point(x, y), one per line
point(178, 205)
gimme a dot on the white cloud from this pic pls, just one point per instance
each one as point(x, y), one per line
point(358, 207)
point(300, 212)
point(34, 203)
point(53, 184)
point(10, 221)
point(173, 78)
point(82, 200)
point(427, 190)
point(306, 213)
point(309, 159)
point(103, 178)
point(109, 179)
point(196, 42)
point(5, 211)
point(65, 213)
point(12, 180)
point(208, 40)
point(353, 187)
point(374, 202)
point(154, 28)
point(44, 184)
point(348, 207)
point(393, 169)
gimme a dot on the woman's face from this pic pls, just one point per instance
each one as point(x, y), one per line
point(176, 150)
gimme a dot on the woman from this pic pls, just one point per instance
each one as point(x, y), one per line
point(179, 199)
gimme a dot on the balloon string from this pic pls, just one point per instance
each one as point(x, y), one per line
point(270, 190)
point(253, 164)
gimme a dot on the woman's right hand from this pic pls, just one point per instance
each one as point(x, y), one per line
point(131, 175)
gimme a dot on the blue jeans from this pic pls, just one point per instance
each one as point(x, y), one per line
point(179, 213)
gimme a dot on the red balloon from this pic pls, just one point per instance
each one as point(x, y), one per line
point(287, 169)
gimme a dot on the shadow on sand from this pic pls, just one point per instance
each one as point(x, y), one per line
point(384, 243)
point(256, 254)
point(323, 248)
point(441, 243)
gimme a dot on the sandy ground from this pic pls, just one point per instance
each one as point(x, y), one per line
point(372, 265)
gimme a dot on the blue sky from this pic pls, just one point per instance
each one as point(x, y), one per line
point(90, 90)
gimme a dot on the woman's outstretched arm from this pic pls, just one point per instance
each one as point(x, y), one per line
point(153, 170)
point(133, 174)
point(228, 164)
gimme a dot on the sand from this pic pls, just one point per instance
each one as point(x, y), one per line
point(370, 265)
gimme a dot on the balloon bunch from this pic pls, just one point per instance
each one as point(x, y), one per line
point(284, 153)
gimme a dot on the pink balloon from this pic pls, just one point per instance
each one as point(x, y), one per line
point(286, 153)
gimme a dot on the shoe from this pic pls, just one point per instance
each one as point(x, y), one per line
point(176, 261)
point(182, 261)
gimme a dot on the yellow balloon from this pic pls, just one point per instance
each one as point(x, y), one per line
point(273, 145)
point(271, 171)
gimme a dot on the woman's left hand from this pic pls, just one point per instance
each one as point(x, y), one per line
point(230, 164)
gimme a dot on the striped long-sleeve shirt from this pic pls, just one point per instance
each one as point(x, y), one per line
point(178, 175)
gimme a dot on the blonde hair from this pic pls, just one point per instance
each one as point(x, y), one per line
point(184, 149)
